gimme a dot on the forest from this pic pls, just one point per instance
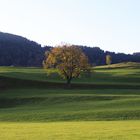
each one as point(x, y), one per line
point(19, 51)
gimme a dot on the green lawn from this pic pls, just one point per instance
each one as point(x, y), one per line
point(105, 105)
point(69, 105)
point(119, 74)
point(116, 130)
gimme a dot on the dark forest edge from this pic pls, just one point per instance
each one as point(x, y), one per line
point(19, 51)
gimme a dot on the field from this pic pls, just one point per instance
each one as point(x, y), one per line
point(116, 130)
point(104, 105)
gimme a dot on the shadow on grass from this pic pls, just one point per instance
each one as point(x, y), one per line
point(13, 102)
point(9, 83)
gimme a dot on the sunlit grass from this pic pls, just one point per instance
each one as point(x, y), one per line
point(116, 130)
point(42, 105)
point(33, 109)
point(123, 73)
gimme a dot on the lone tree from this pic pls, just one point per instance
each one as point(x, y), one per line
point(108, 59)
point(69, 60)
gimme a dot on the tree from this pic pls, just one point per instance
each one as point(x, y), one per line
point(70, 61)
point(108, 59)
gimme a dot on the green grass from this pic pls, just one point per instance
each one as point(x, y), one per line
point(105, 105)
point(116, 130)
point(126, 73)
point(42, 105)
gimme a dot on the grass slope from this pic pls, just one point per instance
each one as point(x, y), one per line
point(105, 105)
point(36, 100)
point(124, 77)
point(42, 105)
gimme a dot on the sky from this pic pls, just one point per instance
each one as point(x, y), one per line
point(112, 25)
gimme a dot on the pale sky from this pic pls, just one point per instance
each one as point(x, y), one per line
point(112, 25)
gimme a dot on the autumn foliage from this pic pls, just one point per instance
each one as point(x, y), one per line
point(108, 59)
point(69, 60)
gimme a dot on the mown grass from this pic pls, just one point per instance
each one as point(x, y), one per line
point(27, 99)
point(105, 105)
point(68, 105)
point(116, 130)
point(124, 74)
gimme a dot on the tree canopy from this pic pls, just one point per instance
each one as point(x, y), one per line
point(69, 59)
point(108, 59)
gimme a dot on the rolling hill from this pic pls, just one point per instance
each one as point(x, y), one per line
point(34, 105)
point(18, 51)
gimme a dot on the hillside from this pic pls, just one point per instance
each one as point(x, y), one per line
point(34, 105)
point(120, 65)
point(19, 51)
point(116, 75)
point(32, 95)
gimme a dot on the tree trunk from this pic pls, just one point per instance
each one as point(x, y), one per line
point(69, 82)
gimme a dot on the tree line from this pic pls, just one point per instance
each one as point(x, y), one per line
point(19, 51)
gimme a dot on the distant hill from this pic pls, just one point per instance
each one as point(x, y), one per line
point(19, 51)
point(97, 56)
point(136, 54)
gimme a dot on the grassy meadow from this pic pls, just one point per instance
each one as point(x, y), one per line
point(103, 105)
point(116, 130)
